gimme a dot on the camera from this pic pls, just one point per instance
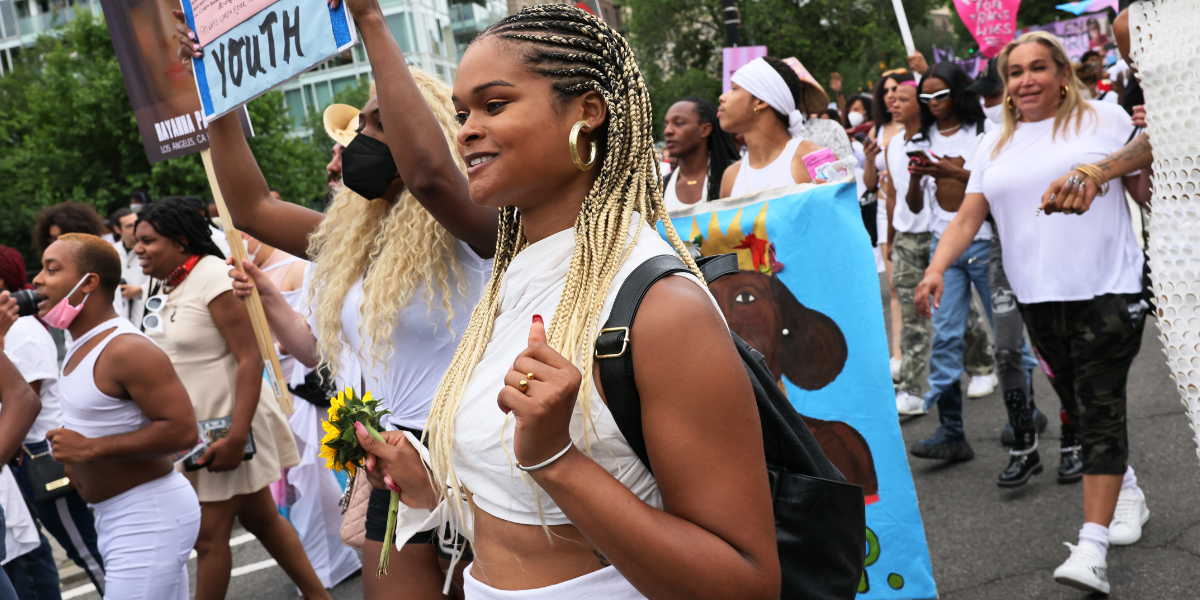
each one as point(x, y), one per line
point(27, 302)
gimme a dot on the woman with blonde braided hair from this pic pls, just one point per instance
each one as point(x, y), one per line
point(529, 463)
point(398, 263)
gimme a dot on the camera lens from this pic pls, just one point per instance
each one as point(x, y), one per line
point(27, 301)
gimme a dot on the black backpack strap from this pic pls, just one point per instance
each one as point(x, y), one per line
point(613, 349)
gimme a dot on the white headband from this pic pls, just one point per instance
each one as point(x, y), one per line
point(765, 83)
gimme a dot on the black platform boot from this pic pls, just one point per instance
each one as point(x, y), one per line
point(1024, 461)
point(948, 442)
point(1070, 466)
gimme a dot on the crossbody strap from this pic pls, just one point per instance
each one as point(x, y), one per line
point(613, 349)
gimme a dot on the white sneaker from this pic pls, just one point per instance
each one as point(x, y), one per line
point(907, 404)
point(982, 385)
point(1131, 514)
point(1085, 569)
point(895, 364)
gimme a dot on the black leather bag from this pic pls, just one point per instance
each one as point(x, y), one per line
point(820, 520)
point(47, 477)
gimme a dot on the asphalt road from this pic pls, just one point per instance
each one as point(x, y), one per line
point(987, 543)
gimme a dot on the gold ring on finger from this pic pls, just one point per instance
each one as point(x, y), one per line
point(523, 385)
point(529, 376)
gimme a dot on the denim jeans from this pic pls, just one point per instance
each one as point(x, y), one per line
point(34, 574)
point(950, 317)
point(6, 587)
point(68, 519)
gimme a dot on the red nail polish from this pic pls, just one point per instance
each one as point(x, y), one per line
point(537, 319)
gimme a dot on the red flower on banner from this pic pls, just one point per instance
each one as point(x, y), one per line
point(758, 253)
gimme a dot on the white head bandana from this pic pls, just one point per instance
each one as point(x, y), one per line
point(765, 83)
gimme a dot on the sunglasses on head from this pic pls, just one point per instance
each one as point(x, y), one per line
point(893, 72)
point(939, 96)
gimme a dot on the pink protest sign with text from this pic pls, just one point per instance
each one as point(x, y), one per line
point(734, 58)
point(992, 22)
point(215, 17)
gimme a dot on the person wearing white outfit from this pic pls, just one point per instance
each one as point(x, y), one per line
point(1085, 317)
point(560, 505)
point(762, 105)
point(702, 149)
point(128, 301)
point(121, 398)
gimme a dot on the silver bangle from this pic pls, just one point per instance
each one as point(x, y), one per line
point(548, 461)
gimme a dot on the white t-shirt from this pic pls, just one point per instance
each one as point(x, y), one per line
point(131, 272)
point(1057, 258)
point(960, 144)
point(903, 219)
point(31, 349)
point(421, 346)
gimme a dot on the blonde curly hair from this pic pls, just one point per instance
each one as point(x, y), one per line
point(394, 246)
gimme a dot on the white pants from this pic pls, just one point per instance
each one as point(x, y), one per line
point(145, 535)
point(605, 584)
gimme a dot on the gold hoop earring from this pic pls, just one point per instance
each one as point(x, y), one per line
point(1009, 102)
point(574, 144)
point(1062, 93)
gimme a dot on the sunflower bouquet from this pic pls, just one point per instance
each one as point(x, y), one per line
point(342, 452)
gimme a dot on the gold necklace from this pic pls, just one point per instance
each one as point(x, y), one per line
point(691, 181)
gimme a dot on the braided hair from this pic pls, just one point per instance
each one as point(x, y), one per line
point(722, 150)
point(173, 217)
point(576, 52)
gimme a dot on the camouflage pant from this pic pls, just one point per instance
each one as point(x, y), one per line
point(910, 257)
point(1088, 347)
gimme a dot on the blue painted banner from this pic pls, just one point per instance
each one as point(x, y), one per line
point(283, 40)
point(807, 297)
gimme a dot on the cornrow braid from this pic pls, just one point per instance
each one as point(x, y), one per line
point(577, 52)
point(173, 217)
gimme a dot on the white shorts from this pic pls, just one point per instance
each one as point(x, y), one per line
point(145, 536)
point(605, 584)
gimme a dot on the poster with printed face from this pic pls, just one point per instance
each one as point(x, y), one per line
point(807, 297)
point(161, 90)
point(252, 46)
point(1078, 35)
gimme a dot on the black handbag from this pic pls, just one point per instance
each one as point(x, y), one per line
point(820, 519)
point(47, 477)
point(212, 430)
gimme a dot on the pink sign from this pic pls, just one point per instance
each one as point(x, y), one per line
point(992, 22)
point(215, 17)
point(734, 58)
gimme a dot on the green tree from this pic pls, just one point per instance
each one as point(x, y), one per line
point(678, 42)
point(68, 133)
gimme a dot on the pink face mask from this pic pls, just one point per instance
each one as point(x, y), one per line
point(61, 316)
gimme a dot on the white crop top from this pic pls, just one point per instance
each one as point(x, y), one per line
point(86, 410)
point(532, 285)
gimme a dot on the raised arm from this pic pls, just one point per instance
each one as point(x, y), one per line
point(954, 241)
point(287, 324)
point(418, 143)
point(251, 205)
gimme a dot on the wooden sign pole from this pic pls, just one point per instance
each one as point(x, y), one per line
point(258, 319)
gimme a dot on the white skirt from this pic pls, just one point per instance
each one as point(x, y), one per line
point(605, 584)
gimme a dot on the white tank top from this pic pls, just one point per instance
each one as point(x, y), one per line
point(775, 175)
point(86, 410)
point(483, 455)
point(671, 200)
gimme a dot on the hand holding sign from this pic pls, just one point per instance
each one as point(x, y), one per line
point(540, 393)
point(243, 48)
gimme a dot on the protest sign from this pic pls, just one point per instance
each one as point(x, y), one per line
point(992, 23)
point(161, 90)
point(1078, 35)
point(258, 51)
point(807, 297)
point(732, 59)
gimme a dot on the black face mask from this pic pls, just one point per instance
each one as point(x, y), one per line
point(368, 168)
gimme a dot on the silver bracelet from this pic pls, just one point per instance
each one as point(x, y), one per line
point(548, 461)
